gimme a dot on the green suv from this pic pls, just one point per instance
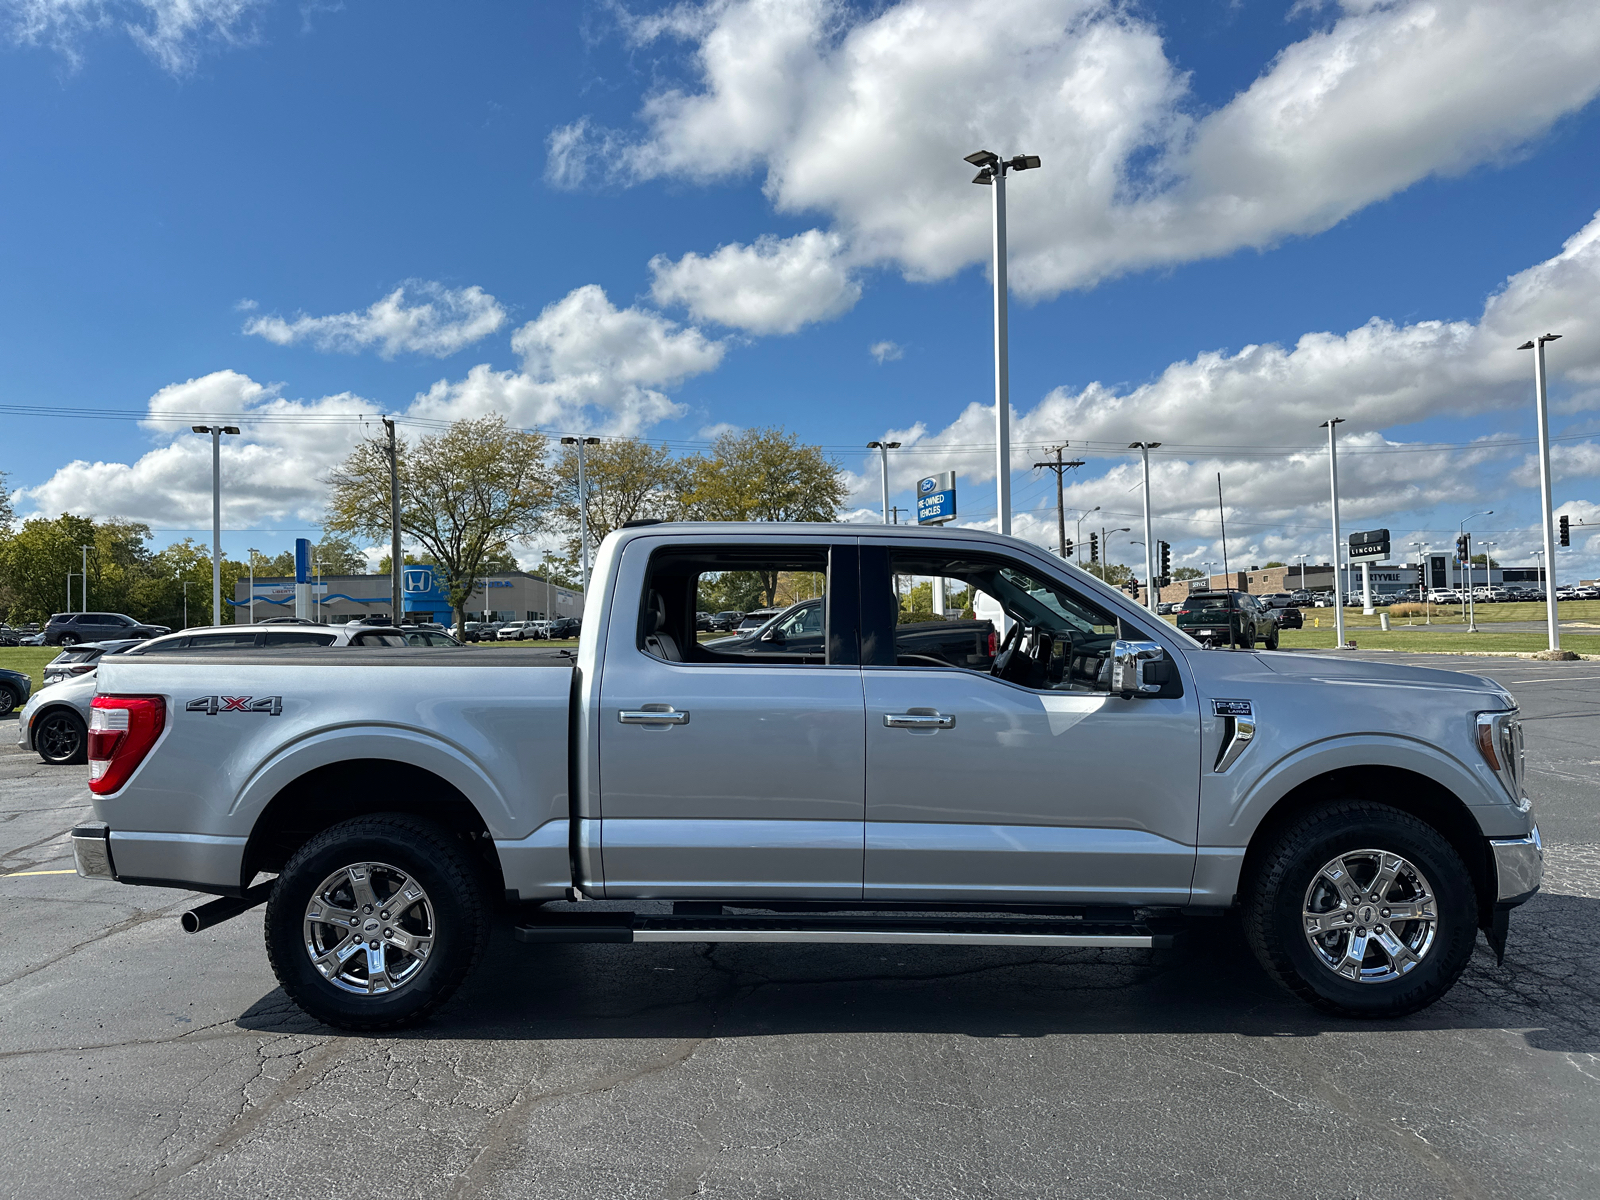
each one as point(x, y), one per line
point(1229, 618)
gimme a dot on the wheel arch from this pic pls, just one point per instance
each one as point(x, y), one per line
point(1416, 794)
point(58, 706)
point(338, 791)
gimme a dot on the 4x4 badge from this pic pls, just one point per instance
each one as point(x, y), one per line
point(212, 705)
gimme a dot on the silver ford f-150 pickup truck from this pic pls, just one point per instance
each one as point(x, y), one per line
point(1089, 777)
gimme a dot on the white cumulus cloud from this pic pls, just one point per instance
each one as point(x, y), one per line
point(775, 285)
point(886, 351)
point(174, 33)
point(446, 321)
point(866, 116)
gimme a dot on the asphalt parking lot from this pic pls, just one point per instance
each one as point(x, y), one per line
point(139, 1061)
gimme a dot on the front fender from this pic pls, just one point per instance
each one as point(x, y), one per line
point(371, 741)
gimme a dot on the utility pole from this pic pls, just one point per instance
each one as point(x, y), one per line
point(1331, 425)
point(1546, 499)
point(1060, 468)
point(396, 562)
point(216, 432)
point(1222, 516)
point(186, 583)
point(992, 173)
point(84, 578)
point(253, 553)
point(583, 503)
point(897, 510)
point(1150, 589)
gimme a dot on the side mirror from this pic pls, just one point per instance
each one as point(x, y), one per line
point(773, 635)
point(1137, 668)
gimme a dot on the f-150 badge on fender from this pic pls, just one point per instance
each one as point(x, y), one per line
point(1230, 708)
point(212, 705)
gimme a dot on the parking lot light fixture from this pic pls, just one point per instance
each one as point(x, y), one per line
point(216, 432)
point(883, 449)
point(992, 173)
point(1144, 449)
point(1472, 625)
point(1078, 545)
point(1424, 591)
point(1331, 425)
point(1546, 500)
point(583, 502)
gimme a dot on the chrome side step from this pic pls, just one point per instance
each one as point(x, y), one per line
point(889, 930)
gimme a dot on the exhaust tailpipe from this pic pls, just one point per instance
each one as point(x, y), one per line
point(225, 908)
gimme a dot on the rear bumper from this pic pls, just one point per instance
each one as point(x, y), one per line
point(197, 862)
point(1519, 867)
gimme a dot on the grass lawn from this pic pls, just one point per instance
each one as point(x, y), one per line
point(30, 659)
point(1486, 614)
point(1399, 638)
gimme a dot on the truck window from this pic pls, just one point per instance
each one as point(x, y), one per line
point(682, 581)
point(223, 641)
point(296, 637)
point(1000, 616)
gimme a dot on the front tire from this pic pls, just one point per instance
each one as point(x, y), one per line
point(8, 701)
point(374, 923)
point(68, 641)
point(1363, 910)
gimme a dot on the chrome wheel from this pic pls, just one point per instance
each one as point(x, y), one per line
point(369, 928)
point(1370, 916)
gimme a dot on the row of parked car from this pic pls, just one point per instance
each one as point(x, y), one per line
point(520, 631)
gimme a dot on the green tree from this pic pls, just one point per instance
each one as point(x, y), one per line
point(1188, 573)
point(38, 559)
point(1116, 574)
point(1270, 565)
point(336, 553)
point(465, 495)
point(1484, 560)
point(763, 475)
point(627, 480)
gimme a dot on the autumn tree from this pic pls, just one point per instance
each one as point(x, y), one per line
point(335, 553)
point(627, 480)
point(465, 495)
point(763, 475)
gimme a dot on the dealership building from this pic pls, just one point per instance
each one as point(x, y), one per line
point(335, 599)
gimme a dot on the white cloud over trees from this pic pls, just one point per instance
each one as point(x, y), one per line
point(446, 321)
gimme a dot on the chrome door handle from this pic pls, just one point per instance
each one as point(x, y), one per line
point(918, 721)
point(661, 716)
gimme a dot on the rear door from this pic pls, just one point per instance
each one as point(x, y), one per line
point(736, 776)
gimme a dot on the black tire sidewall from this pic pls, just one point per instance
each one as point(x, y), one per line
point(421, 849)
point(1379, 828)
point(8, 700)
point(80, 751)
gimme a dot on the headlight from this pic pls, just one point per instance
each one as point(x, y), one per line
point(1500, 743)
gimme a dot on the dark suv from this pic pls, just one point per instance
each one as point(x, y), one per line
point(68, 629)
point(1228, 618)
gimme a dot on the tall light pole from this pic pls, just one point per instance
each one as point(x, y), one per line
point(1331, 425)
point(1472, 624)
point(396, 562)
point(1302, 558)
point(583, 502)
point(1150, 589)
point(1422, 581)
point(1078, 545)
point(883, 449)
point(84, 578)
point(216, 432)
point(1105, 550)
point(1546, 500)
point(992, 173)
point(186, 584)
point(253, 553)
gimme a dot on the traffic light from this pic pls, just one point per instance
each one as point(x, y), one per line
point(1094, 548)
point(1066, 549)
point(1461, 548)
point(1422, 575)
point(1566, 533)
point(1165, 571)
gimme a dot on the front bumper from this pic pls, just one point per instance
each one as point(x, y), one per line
point(1519, 867)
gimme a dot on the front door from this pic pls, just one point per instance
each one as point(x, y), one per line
point(730, 775)
point(1025, 781)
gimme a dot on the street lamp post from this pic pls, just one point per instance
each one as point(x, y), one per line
point(883, 449)
point(83, 580)
point(583, 503)
point(992, 173)
point(1302, 558)
point(1331, 425)
point(186, 584)
point(1105, 550)
point(216, 432)
point(1472, 624)
point(1546, 500)
point(1422, 586)
point(253, 553)
point(1150, 589)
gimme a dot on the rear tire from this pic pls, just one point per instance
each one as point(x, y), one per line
point(8, 700)
point(1403, 964)
point(61, 738)
point(68, 641)
point(422, 916)
point(1272, 640)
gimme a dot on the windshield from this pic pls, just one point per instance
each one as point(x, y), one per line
point(1207, 603)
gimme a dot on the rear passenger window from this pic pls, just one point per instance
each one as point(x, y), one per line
point(223, 641)
point(793, 580)
point(295, 637)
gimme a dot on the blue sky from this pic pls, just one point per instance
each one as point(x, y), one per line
point(643, 221)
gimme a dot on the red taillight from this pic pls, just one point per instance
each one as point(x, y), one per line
point(994, 643)
point(121, 731)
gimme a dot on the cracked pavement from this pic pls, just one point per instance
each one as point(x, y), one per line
point(139, 1061)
